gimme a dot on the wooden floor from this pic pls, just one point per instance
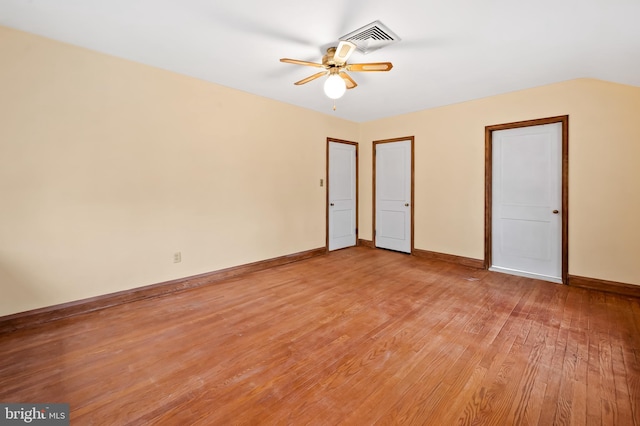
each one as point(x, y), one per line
point(357, 337)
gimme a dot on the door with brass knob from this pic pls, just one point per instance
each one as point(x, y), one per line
point(526, 191)
point(341, 194)
point(393, 194)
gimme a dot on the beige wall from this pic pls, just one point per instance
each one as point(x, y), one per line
point(604, 172)
point(108, 167)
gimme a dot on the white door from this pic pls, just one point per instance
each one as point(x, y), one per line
point(526, 201)
point(393, 189)
point(342, 195)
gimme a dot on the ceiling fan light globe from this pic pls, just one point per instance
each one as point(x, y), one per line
point(334, 86)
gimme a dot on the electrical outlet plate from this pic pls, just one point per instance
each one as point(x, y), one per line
point(177, 257)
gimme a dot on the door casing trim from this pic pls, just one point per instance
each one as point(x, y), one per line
point(327, 183)
point(488, 184)
point(373, 156)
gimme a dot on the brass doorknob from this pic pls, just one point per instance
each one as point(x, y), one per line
point(331, 204)
point(406, 204)
point(556, 212)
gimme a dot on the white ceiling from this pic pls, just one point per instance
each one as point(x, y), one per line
point(451, 51)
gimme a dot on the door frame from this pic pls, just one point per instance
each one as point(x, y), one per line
point(326, 204)
point(488, 185)
point(373, 156)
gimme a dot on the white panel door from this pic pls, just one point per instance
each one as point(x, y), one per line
point(342, 195)
point(393, 196)
point(526, 201)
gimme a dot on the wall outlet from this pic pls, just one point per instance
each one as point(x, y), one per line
point(177, 257)
point(321, 182)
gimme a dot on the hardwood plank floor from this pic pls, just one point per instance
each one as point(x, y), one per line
point(358, 336)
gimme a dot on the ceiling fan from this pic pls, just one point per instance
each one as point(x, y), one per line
point(336, 67)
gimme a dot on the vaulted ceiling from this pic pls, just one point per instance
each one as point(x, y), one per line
point(450, 51)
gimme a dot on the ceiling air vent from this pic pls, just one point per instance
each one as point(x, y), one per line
point(371, 37)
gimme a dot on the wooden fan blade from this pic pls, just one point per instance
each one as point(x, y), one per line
point(348, 80)
point(298, 62)
point(372, 66)
point(310, 78)
point(343, 51)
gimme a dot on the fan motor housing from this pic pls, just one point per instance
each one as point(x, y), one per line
point(328, 58)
